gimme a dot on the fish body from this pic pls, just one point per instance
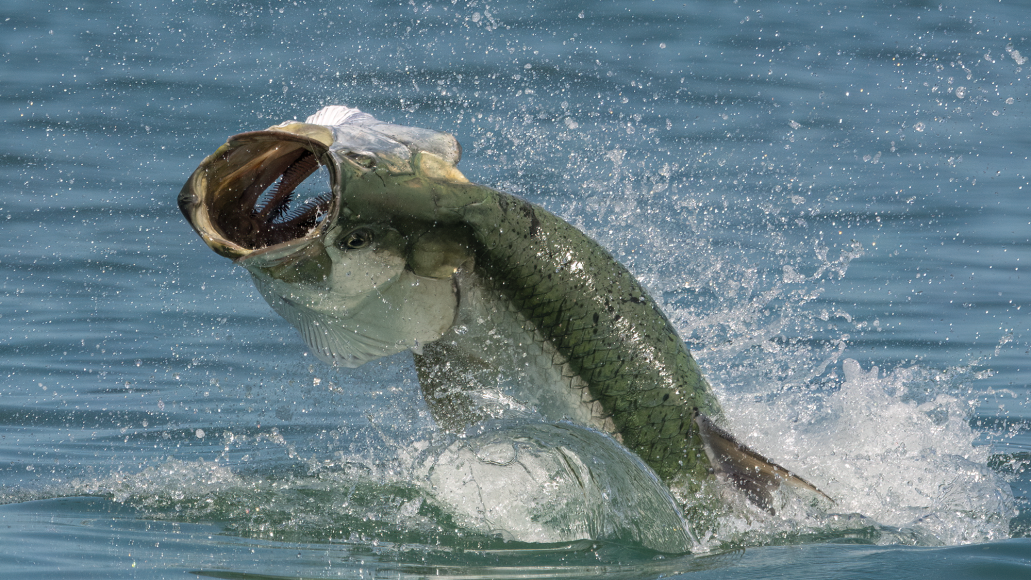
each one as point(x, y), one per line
point(502, 302)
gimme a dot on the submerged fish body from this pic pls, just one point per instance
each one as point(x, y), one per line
point(502, 303)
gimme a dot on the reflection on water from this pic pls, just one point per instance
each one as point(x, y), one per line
point(533, 483)
point(97, 538)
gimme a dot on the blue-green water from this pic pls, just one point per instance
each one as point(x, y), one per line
point(810, 190)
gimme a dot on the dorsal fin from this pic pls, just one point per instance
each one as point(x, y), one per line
point(749, 471)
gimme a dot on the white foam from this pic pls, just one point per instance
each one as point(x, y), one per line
point(901, 463)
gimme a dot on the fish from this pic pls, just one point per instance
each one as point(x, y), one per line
point(505, 306)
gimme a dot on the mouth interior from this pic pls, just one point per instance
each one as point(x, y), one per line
point(266, 192)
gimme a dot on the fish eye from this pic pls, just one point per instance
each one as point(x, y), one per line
point(355, 240)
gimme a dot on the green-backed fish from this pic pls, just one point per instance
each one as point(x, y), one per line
point(503, 304)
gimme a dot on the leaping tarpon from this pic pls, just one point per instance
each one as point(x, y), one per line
point(501, 302)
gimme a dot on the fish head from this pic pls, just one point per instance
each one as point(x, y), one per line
point(339, 222)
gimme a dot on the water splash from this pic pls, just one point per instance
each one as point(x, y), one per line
point(908, 464)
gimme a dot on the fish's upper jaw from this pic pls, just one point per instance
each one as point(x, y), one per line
point(242, 199)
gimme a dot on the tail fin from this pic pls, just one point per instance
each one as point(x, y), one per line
point(750, 472)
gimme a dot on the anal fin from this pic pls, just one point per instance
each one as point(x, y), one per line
point(753, 474)
point(444, 376)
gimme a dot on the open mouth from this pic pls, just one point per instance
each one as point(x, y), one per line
point(281, 203)
point(260, 189)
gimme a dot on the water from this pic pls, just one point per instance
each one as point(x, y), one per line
point(828, 202)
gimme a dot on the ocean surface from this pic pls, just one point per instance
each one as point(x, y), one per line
point(827, 200)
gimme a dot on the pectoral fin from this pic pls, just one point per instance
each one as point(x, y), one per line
point(333, 341)
point(410, 312)
point(749, 471)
